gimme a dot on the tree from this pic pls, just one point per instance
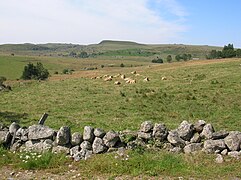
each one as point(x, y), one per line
point(122, 65)
point(238, 53)
point(228, 51)
point(83, 54)
point(178, 57)
point(189, 56)
point(185, 57)
point(37, 72)
point(158, 60)
point(169, 58)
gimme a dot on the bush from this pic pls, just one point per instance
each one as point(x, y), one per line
point(122, 65)
point(37, 72)
point(159, 60)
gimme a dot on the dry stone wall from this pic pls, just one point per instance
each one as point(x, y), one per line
point(186, 138)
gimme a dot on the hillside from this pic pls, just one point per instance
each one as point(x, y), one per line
point(107, 48)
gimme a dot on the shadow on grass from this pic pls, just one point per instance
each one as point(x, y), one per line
point(9, 117)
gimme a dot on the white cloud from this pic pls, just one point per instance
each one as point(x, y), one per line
point(82, 21)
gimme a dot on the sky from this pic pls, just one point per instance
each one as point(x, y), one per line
point(197, 22)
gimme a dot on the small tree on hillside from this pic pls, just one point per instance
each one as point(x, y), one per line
point(178, 58)
point(37, 72)
point(169, 58)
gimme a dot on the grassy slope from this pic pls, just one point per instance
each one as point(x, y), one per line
point(193, 90)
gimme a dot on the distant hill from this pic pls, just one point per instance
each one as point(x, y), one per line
point(107, 48)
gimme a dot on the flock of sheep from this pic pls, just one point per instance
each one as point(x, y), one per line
point(127, 80)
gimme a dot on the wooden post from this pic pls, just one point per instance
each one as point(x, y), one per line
point(43, 118)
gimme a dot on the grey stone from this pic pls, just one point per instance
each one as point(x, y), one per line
point(76, 139)
point(198, 127)
point(38, 145)
point(99, 132)
point(210, 146)
point(168, 146)
point(85, 154)
point(98, 146)
point(13, 128)
point(86, 145)
point(111, 138)
point(185, 130)
point(196, 138)
point(174, 139)
point(235, 154)
point(145, 136)
point(146, 126)
point(220, 135)
point(207, 131)
point(74, 150)
point(176, 150)
point(61, 149)
point(63, 136)
point(16, 146)
point(160, 132)
point(22, 134)
point(36, 132)
point(233, 141)
point(191, 148)
point(224, 152)
point(219, 159)
point(88, 134)
point(5, 137)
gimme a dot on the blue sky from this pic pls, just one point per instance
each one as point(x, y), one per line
point(200, 22)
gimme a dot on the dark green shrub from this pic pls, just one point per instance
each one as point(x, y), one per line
point(37, 72)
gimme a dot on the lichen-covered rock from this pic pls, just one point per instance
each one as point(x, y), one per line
point(145, 136)
point(74, 150)
point(193, 147)
point(88, 134)
point(207, 132)
point(36, 132)
point(13, 128)
point(146, 126)
point(235, 154)
point(76, 139)
point(22, 134)
point(160, 132)
point(210, 146)
point(86, 145)
point(198, 127)
point(63, 136)
point(5, 137)
point(61, 149)
point(219, 159)
point(233, 141)
point(98, 146)
point(176, 150)
point(185, 130)
point(16, 146)
point(196, 138)
point(111, 138)
point(220, 135)
point(100, 133)
point(85, 154)
point(175, 140)
point(38, 145)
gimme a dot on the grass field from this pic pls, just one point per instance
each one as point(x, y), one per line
point(205, 89)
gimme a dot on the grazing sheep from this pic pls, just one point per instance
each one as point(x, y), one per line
point(123, 76)
point(131, 81)
point(98, 77)
point(93, 78)
point(146, 79)
point(133, 72)
point(117, 83)
point(118, 75)
point(105, 76)
point(164, 78)
point(108, 79)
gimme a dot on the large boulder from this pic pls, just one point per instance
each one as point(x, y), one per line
point(98, 146)
point(88, 134)
point(74, 150)
point(210, 146)
point(220, 135)
point(76, 139)
point(63, 136)
point(175, 140)
point(86, 145)
point(38, 145)
point(193, 147)
point(160, 132)
point(233, 141)
point(185, 130)
point(146, 126)
point(100, 133)
point(198, 127)
point(36, 132)
point(207, 132)
point(13, 128)
point(111, 138)
point(22, 134)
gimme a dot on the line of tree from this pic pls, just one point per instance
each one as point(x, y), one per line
point(183, 57)
point(37, 72)
point(157, 60)
point(227, 52)
point(82, 54)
